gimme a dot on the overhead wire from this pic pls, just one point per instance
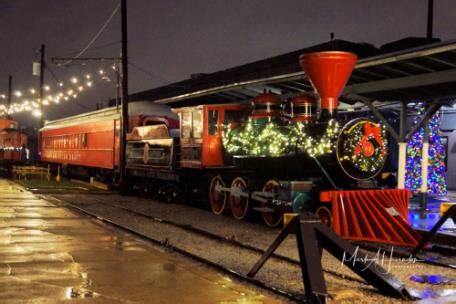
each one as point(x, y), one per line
point(150, 74)
point(98, 47)
point(116, 9)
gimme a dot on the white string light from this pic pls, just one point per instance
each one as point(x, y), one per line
point(31, 103)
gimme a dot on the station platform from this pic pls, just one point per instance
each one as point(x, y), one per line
point(427, 220)
point(51, 254)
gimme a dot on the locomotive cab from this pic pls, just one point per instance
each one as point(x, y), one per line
point(201, 130)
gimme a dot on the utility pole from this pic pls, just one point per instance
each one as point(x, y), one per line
point(430, 19)
point(42, 63)
point(10, 91)
point(124, 66)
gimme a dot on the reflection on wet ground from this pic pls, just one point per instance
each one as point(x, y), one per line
point(427, 220)
point(432, 279)
point(49, 254)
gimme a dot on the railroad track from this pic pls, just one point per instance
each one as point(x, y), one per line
point(164, 242)
point(210, 235)
point(231, 241)
point(441, 244)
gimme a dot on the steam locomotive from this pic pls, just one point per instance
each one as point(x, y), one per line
point(271, 156)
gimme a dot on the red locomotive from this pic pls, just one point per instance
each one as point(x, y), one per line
point(13, 143)
point(269, 156)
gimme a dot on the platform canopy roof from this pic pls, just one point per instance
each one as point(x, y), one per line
point(425, 73)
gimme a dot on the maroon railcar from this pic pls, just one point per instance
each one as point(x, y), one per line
point(13, 142)
point(92, 140)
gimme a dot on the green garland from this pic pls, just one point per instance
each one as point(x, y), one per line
point(274, 140)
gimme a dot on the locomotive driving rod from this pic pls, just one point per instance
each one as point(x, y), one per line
point(311, 236)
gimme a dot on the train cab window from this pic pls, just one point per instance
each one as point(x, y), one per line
point(186, 124)
point(212, 122)
point(234, 116)
point(197, 119)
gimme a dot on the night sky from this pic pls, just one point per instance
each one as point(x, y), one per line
point(170, 40)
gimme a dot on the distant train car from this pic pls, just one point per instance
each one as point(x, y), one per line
point(89, 143)
point(13, 143)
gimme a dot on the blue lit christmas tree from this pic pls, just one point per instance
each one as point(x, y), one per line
point(436, 170)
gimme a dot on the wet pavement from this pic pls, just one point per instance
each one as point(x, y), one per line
point(51, 254)
point(427, 220)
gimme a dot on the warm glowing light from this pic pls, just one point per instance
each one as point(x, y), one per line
point(75, 96)
point(18, 93)
point(47, 88)
point(87, 76)
point(74, 80)
point(65, 97)
point(70, 92)
point(60, 84)
point(101, 72)
point(32, 91)
point(89, 84)
point(3, 96)
point(37, 113)
point(80, 88)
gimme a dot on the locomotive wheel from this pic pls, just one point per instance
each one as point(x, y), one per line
point(271, 219)
point(325, 215)
point(239, 205)
point(217, 198)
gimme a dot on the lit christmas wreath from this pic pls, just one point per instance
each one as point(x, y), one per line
point(361, 148)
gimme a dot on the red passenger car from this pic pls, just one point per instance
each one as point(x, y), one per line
point(92, 140)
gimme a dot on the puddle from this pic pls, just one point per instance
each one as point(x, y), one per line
point(79, 293)
point(432, 279)
point(429, 293)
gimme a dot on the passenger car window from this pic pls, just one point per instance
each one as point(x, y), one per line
point(212, 122)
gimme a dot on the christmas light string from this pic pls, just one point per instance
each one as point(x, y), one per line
point(274, 140)
point(29, 100)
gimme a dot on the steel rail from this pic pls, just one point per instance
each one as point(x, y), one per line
point(284, 293)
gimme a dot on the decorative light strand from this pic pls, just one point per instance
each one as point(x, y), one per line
point(274, 140)
point(30, 102)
